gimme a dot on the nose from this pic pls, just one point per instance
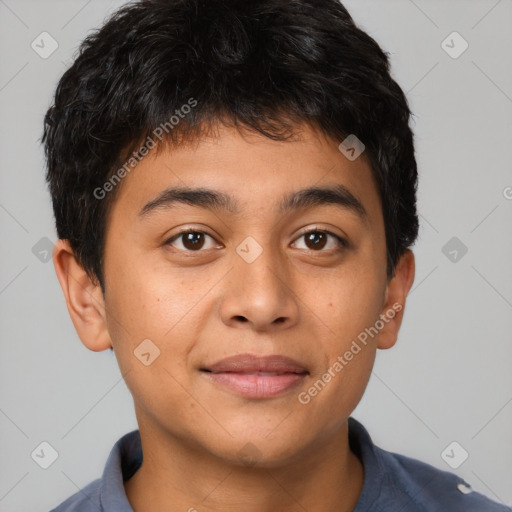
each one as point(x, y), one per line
point(259, 295)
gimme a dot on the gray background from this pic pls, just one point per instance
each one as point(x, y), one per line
point(448, 378)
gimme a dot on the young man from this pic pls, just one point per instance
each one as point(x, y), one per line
point(234, 190)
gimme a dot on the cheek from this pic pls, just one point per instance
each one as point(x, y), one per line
point(161, 304)
point(336, 391)
point(347, 304)
point(150, 297)
point(157, 306)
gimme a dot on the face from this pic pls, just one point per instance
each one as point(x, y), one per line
point(259, 268)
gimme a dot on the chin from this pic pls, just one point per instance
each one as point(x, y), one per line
point(257, 451)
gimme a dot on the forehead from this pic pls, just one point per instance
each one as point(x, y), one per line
point(250, 174)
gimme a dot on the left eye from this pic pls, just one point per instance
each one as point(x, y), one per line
point(317, 240)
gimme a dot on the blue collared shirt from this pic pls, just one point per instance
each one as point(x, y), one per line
point(392, 482)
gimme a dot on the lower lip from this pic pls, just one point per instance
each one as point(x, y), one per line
point(257, 386)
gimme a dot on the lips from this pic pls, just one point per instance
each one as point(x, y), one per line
point(255, 376)
point(248, 363)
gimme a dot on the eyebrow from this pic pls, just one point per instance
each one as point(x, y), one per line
point(211, 199)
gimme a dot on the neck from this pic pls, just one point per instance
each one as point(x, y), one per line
point(175, 476)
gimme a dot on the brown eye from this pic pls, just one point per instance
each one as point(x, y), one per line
point(191, 241)
point(317, 240)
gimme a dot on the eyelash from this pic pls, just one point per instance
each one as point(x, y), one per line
point(343, 243)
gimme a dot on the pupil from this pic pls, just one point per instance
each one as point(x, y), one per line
point(318, 240)
point(193, 240)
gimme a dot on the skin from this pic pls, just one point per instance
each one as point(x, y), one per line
point(201, 306)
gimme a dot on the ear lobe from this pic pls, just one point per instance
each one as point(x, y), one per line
point(84, 299)
point(396, 294)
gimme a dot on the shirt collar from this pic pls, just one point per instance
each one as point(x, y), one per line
point(362, 445)
point(126, 458)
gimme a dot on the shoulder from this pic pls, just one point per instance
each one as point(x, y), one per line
point(107, 493)
point(85, 500)
point(425, 487)
point(395, 482)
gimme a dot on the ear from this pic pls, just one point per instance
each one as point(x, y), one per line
point(394, 304)
point(84, 299)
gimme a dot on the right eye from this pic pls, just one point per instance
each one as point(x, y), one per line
point(190, 240)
